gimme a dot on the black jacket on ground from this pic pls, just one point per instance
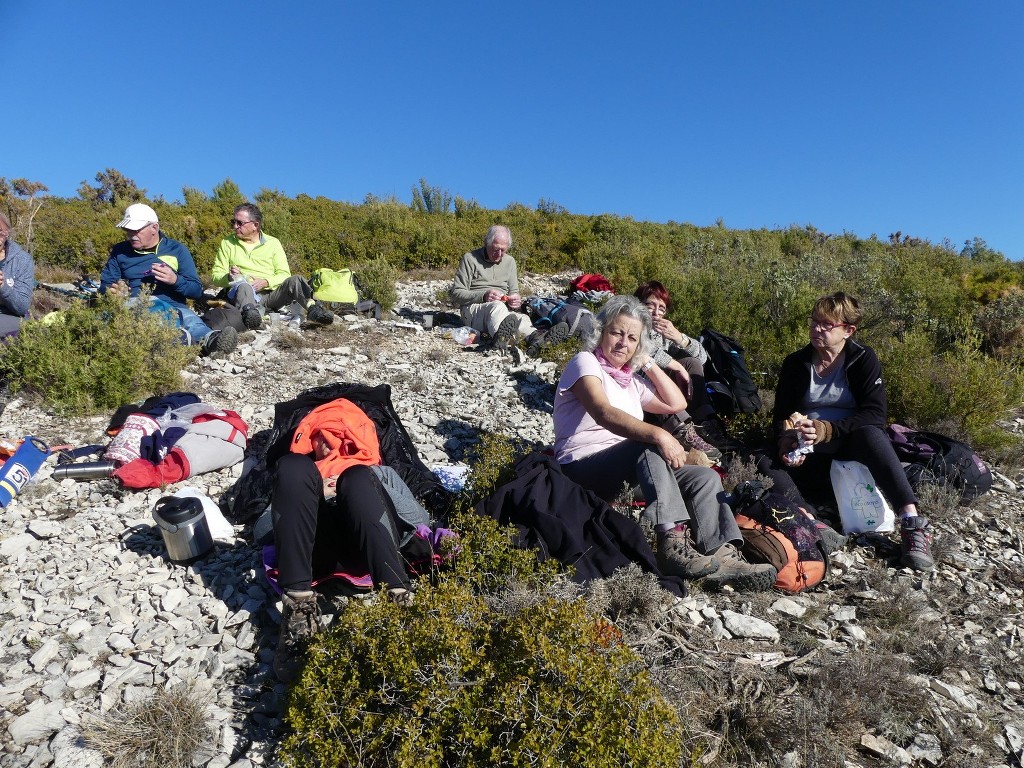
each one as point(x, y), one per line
point(863, 373)
point(566, 521)
point(396, 447)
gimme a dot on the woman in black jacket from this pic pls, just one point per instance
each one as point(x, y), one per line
point(831, 396)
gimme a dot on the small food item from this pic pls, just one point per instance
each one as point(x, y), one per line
point(803, 446)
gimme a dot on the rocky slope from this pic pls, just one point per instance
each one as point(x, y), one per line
point(92, 614)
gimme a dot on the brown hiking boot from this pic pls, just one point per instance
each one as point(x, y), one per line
point(300, 620)
point(735, 571)
point(677, 557)
point(916, 543)
point(689, 438)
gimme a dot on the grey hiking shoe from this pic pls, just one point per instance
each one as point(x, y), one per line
point(506, 333)
point(739, 574)
point(300, 620)
point(916, 541)
point(555, 335)
point(400, 596)
point(318, 314)
point(251, 317)
point(831, 539)
point(689, 438)
point(220, 343)
point(677, 557)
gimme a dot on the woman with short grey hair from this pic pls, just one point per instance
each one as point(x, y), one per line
point(603, 443)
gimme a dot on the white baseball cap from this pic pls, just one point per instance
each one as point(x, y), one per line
point(138, 215)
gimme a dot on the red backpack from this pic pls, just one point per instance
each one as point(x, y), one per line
point(590, 282)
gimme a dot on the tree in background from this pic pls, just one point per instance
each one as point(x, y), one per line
point(112, 188)
point(428, 199)
point(22, 200)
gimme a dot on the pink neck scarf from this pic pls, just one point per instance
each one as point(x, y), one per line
point(623, 376)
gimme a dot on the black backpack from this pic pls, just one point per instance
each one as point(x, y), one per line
point(730, 386)
point(940, 460)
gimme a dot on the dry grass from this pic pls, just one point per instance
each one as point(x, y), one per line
point(48, 273)
point(939, 502)
point(742, 471)
point(163, 731)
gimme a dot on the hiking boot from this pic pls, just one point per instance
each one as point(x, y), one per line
point(300, 620)
point(688, 438)
point(400, 596)
point(916, 540)
point(318, 314)
point(506, 333)
point(556, 335)
point(220, 343)
point(677, 557)
point(251, 317)
point(831, 539)
point(735, 571)
point(712, 430)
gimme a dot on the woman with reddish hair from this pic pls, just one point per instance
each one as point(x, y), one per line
point(682, 357)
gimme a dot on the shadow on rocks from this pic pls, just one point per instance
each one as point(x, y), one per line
point(240, 606)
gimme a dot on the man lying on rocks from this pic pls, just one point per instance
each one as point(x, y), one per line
point(334, 506)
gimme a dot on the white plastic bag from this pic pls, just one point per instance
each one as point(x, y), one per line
point(220, 528)
point(862, 507)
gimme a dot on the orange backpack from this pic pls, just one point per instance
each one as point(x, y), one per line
point(777, 531)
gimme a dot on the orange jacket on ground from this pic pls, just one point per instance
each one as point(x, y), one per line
point(348, 432)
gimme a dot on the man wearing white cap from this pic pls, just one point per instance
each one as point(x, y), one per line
point(148, 257)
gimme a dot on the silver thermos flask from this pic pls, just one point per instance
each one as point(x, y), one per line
point(183, 525)
point(86, 470)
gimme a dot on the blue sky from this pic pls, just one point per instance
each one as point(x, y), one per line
point(866, 117)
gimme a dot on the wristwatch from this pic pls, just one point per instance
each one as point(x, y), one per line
point(645, 366)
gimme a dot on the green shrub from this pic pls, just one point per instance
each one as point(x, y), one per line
point(450, 682)
point(1002, 326)
point(93, 359)
point(487, 560)
point(491, 461)
point(962, 392)
point(377, 280)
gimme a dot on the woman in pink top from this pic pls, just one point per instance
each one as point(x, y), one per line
point(602, 443)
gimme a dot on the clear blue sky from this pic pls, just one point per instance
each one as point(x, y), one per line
point(867, 117)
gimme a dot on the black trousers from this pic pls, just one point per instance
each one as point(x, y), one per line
point(357, 529)
point(868, 445)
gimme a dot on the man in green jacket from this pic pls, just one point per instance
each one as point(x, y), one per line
point(486, 287)
point(253, 267)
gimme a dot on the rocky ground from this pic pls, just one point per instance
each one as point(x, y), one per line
point(93, 615)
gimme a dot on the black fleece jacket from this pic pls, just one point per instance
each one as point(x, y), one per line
point(864, 375)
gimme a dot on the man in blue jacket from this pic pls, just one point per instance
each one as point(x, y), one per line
point(148, 257)
point(17, 279)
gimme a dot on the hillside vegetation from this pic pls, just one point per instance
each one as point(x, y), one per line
point(947, 322)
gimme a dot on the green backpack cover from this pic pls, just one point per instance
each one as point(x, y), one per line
point(335, 285)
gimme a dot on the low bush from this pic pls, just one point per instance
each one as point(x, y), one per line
point(492, 461)
point(377, 280)
point(89, 359)
point(449, 682)
point(961, 392)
